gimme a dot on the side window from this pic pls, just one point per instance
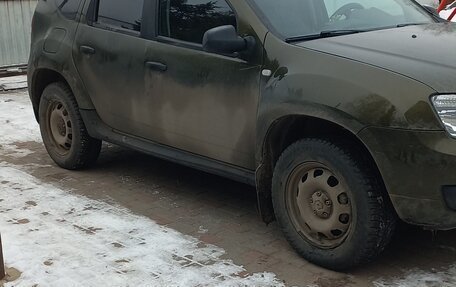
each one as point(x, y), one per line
point(68, 8)
point(188, 20)
point(123, 14)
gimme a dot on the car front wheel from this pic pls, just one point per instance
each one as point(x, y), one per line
point(330, 204)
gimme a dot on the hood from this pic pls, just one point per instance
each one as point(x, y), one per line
point(426, 53)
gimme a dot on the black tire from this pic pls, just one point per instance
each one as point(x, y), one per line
point(368, 211)
point(63, 131)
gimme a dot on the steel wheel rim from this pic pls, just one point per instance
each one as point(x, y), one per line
point(59, 126)
point(319, 205)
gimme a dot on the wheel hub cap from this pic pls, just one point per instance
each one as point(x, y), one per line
point(319, 205)
point(60, 127)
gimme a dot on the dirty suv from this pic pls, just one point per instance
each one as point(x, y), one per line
point(342, 113)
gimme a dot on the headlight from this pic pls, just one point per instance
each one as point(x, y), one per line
point(445, 105)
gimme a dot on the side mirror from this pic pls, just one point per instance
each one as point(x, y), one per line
point(224, 40)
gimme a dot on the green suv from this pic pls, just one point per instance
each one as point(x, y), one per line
point(342, 113)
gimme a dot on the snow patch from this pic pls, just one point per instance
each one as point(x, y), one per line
point(58, 239)
point(13, 83)
point(17, 121)
point(14, 151)
point(420, 278)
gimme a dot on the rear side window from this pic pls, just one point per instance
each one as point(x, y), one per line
point(68, 8)
point(122, 14)
point(189, 20)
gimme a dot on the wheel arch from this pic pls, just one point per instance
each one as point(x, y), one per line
point(40, 80)
point(45, 76)
point(288, 129)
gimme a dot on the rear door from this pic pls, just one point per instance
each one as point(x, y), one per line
point(109, 53)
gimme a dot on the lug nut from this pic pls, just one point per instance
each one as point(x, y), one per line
point(311, 200)
point(325, 214)
point(328, 203)
point(319, 193)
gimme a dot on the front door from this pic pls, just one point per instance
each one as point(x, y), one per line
point(196, 101)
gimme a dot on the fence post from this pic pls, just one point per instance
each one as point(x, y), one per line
point(2, 262)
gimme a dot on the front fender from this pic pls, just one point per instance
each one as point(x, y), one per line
point(344, 91)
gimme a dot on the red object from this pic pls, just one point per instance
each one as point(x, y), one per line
point(452, 15)
point(443, 5)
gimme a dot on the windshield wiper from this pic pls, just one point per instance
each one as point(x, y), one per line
point(409, 24)
point(323, 34)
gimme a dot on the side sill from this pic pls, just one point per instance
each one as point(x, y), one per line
point(98, 129)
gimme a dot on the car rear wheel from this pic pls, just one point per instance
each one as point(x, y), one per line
point(64, 134)
point(330, 204)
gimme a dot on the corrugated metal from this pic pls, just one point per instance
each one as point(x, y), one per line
point(15, 24)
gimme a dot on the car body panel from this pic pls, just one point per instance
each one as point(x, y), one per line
point(215, 112)
point(206, 109)
point(415, 165)
point(189, 106)
point(113, 75)
point(425, 53)
point(340, 90)
point(46, 19)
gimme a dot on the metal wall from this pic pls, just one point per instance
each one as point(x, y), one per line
point(15, 24)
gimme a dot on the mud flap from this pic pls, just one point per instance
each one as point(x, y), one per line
point(263, 184)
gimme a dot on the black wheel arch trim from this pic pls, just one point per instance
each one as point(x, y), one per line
point(268, 121)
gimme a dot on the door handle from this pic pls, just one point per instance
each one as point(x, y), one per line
point(156, 66)
point(87, 50)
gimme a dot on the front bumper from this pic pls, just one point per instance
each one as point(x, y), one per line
point(419, 171)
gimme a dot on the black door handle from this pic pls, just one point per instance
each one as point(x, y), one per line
point(156, 66)
point(87, 50)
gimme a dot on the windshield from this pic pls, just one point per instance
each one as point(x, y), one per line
point(296, 18)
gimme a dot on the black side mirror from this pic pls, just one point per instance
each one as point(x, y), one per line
point(224, 40)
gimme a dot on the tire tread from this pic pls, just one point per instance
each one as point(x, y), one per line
point(87, 149)
point(382, 218)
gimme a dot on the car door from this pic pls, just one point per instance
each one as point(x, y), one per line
point(109, 53)
point(196, 101)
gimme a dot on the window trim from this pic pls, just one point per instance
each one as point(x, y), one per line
point(92, 20)
point(78, 12)
point(149, 25)
point(178, 42)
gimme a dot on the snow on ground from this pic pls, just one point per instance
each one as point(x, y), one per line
point(17, 122)
point(58, 239)
point(12, 83)
point(420, 278)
